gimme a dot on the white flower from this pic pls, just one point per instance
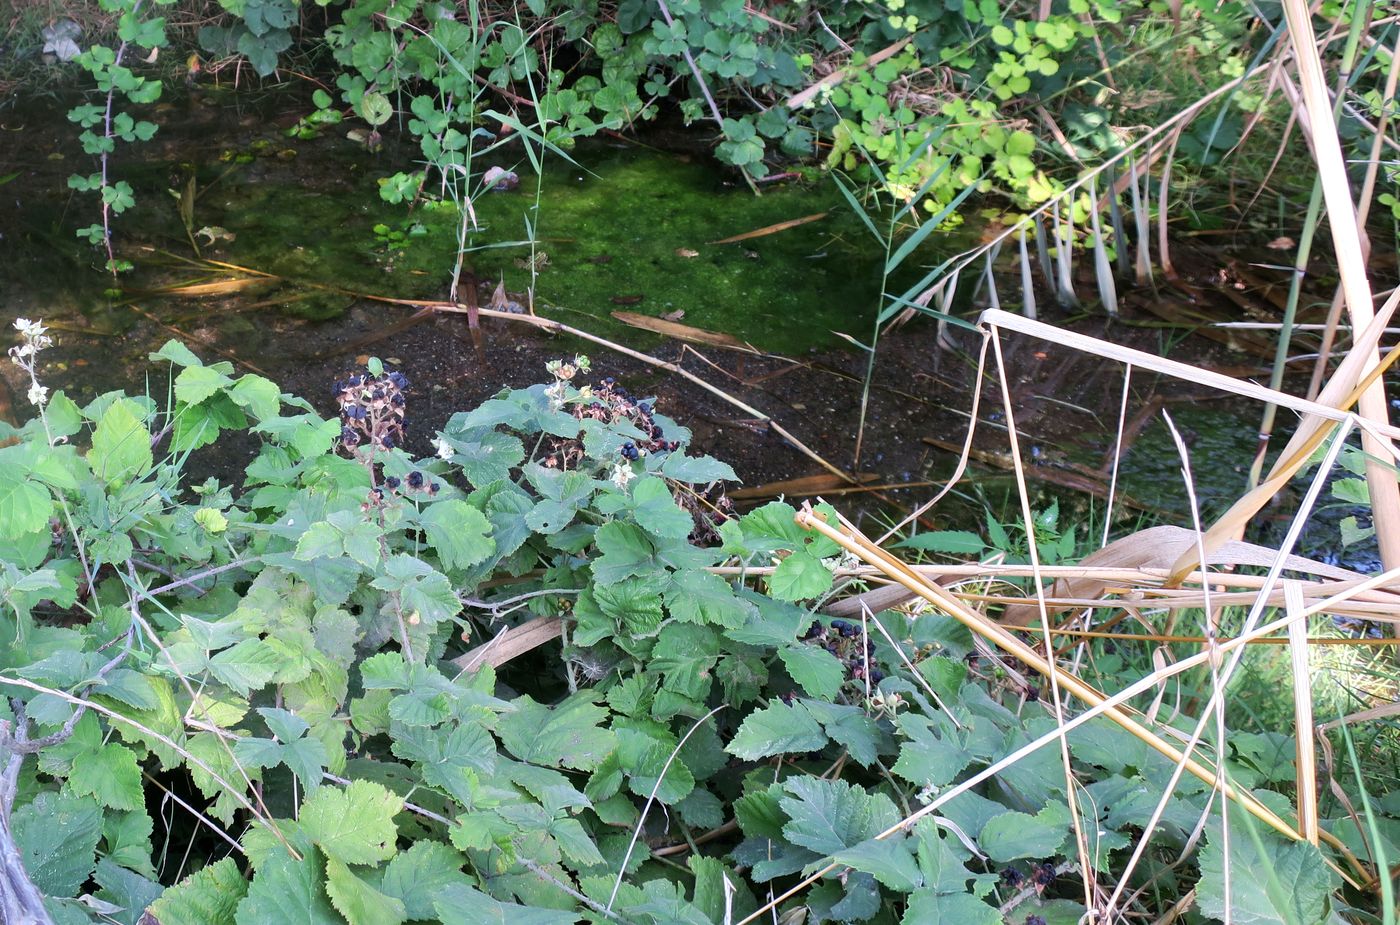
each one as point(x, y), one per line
point(622, 475)
point(38, 394)
point(442, 448)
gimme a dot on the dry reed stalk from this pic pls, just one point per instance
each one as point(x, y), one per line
point(1363, 207)
point(998, 320)
point(1051, 662)
point(1308, 819)
point(1351, 263)
point(857, 544)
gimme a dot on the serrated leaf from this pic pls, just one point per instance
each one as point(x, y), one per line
point(696, 469)
point(247, 666)
point(57, 838)
point(798, 577)
point(1013, 835)
point(777, 729)
point(417, 875)
point(109, 773)
point(818, 672)
point(458, 532)
point(929, 908)
point(701, 597)
point(126, 839)
point(849, 727)
point(121, 444)
point(461, 905)
point(129, 891)
point(196, 383)
point(288, 890)
point(827, 816)
point(568, 735)
point(1271, 882)
point(888, 860)
point(25, 507)
point(360, 903)
point(354, 825)
point(657, 512)
point(634, 603)
point(206, 897)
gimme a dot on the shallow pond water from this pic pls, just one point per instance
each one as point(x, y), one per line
point(621, 226)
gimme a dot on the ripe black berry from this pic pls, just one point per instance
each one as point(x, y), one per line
point(391, 481)
point(415, 479)
point(1012, 877)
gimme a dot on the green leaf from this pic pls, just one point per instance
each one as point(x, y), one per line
point(798, 577)
point(375, 108)
point(25, 507)
point(417, 875)
point(931, 755)
point(423, 590)
point(1013, 835)
point(206, 897)
point(849, 727)
point(127, 889)
point(177, 353)
point(1271, 882)
point(360, 903)
point(960, 542)
point(929, 908)
point(57, 838)
point(288, 890)
point(657, 512)
point(354, 825)
point(827, 816)
point(111, 774)
point(126, 840)
point(568, 735)
point(818, 671)
point(121, 444)
point(459, 533)
point(625, 552)
point(461, 905)
point(774, 730)
point(888, 860)
point(196, 383)
point(247, 666)
point(634, 603)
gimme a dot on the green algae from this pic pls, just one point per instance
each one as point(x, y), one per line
point(624, 228)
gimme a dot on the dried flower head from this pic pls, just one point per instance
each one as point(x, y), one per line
point(372, 411)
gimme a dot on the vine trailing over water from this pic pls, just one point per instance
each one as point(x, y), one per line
point(346, 675)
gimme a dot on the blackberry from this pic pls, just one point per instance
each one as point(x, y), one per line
point(1012, 877)
point(355, 412)
point(434, 488)
point(399, 380)
point(1044, 874)
point(387, 441)
point(349, 435)
point(391, 481)
point(415, 479)
point(629, 451)
point(845, 629)
point(814, 630)
point(876, 676)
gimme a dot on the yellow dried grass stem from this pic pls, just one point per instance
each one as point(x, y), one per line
point(1351, 264)
point(858, 545)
